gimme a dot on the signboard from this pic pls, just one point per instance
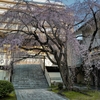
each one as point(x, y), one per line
point(2, 59)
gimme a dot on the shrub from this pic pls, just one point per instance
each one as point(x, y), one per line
point(5, 88)
point(60, 86)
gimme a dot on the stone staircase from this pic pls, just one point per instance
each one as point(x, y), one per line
point(29, 77)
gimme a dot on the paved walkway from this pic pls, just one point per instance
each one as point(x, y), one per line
point(30, 84)
point(37, 94)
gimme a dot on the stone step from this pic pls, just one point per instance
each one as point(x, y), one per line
point(29, 76)
point(30, 87)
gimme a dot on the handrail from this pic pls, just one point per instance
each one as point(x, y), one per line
point(47, 77)
point(45, 72)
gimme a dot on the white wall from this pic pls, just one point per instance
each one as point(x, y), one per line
point(48, 62)
point(4, 75)
point(55, 77)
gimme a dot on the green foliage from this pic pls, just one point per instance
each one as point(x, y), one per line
point(72, 95)
point(10, 96)
point(5, 88)
point(60, 86)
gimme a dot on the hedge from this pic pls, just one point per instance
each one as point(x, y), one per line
point(5, 88)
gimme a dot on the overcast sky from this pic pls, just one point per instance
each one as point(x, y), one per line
point(67, 2)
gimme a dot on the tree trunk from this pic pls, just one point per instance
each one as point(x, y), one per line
point(64, 71)
point(11, 64)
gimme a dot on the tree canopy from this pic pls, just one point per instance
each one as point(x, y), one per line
point(49, 28)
